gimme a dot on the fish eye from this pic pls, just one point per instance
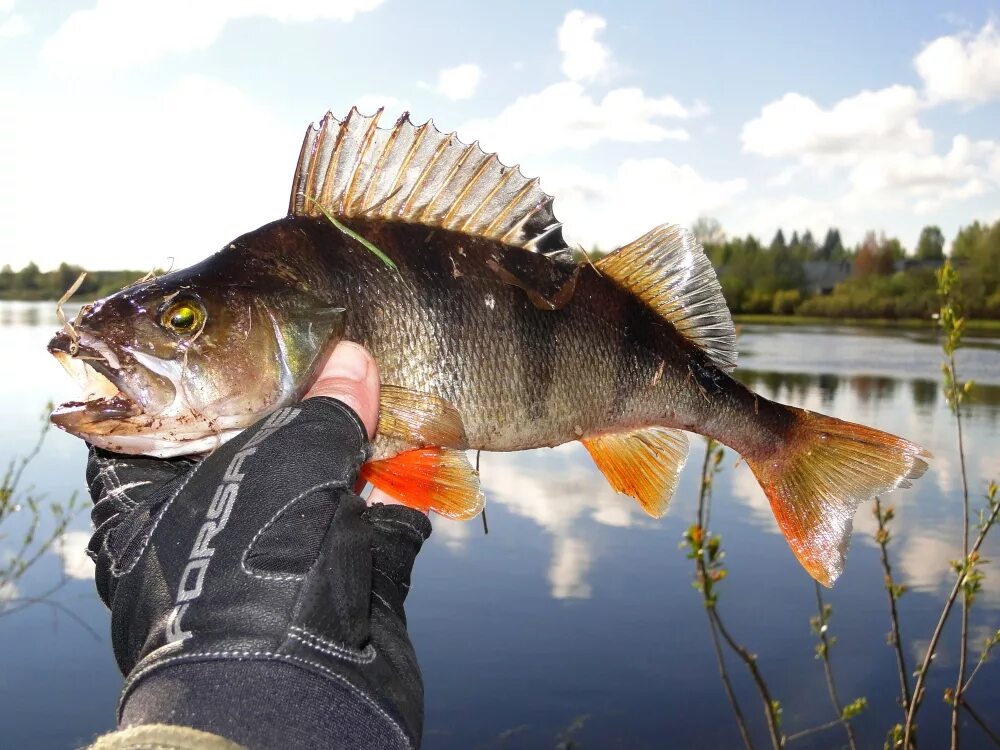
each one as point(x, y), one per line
point(184, 317)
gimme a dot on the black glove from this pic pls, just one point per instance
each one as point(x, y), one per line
point(254, 595)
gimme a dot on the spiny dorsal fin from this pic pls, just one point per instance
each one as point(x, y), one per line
point(669, 271)
point(419, 175)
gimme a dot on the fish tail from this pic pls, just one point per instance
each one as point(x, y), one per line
point(818, 476)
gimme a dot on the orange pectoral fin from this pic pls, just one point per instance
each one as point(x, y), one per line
point(429, 479)
point(644, 464)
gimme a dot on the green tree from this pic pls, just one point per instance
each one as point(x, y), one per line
point(832, 247)
point(877, 255)
point(808, 244)
point(778, 241)
point(29, 277)
point(930, 246)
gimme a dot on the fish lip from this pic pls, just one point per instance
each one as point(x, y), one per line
point(71, 414)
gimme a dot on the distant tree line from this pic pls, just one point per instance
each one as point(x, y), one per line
point(30, 283)
point(875, 279)
point(798, 275)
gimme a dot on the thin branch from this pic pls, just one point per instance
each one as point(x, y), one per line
point(698, 536)
point(964, 642)
point(728, 686)
point(918, 688)
point(812, 730)
point(20, 603)
point(882, 537)
point(750, 660)
point(990, 643)
point(831, 688)
point(982, 724)
point(26, 601)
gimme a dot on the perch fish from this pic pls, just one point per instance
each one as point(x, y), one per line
point(451, 268)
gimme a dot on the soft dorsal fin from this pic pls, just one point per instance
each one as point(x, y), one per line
point(419, 175)
point(669, 271)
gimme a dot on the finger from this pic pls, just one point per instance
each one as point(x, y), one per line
point(351, 375)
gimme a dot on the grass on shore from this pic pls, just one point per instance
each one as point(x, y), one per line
point(971, 326)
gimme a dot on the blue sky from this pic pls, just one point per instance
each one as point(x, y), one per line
point(135, 132)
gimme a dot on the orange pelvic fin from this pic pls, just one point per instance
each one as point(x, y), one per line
point(426, 479)
point(817, 479)
point(644, 464)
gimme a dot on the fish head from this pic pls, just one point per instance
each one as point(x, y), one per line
point(179, 364)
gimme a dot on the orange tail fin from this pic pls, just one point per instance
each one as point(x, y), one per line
point(815, 482)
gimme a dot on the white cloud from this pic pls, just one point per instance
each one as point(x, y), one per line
point(454, 535)
point(72, 549)
point(571, 562)
point(13, 26)
point(869, 121)
point(584, 58)
point(928, 180)
point(370, 103)
point(875, 140)
point(565, 116)
point(558, 497)
point(609, 210)
point(962, 67)
point(133, 182)
point(119, 34)
point(459, 82)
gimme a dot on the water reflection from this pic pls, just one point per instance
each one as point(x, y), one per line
point(32, 314)
point(794, 387)
point(559, 489)
point(71, 548)
point(562, 492)
point(570, 566)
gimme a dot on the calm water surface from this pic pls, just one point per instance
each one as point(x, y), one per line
point(575, 619)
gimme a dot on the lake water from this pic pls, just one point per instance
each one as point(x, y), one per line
point(575, 619)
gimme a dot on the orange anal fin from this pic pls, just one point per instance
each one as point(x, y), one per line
point(429, 479)
point(644, 464)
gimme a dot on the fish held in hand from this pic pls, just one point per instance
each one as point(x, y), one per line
point(451, 269)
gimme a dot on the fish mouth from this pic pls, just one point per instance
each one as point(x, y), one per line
point(107, 398)
point(134, 403)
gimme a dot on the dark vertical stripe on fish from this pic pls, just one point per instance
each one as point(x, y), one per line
point(536, 366)
point(631, 318)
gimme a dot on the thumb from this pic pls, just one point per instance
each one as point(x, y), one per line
point(351, 375)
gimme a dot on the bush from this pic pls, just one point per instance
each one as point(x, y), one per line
point(756, 301)
point(785, 301)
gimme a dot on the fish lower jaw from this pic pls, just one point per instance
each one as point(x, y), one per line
point(158, 446)
point(95, 410)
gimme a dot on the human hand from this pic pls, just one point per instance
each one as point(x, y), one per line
point(258, 571)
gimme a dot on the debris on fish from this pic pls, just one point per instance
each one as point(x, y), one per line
point(451, 268)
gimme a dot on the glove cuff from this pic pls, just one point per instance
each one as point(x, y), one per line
point(218, 696)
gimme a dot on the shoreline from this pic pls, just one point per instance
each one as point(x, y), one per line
point(985, 326)
point(976, 326)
